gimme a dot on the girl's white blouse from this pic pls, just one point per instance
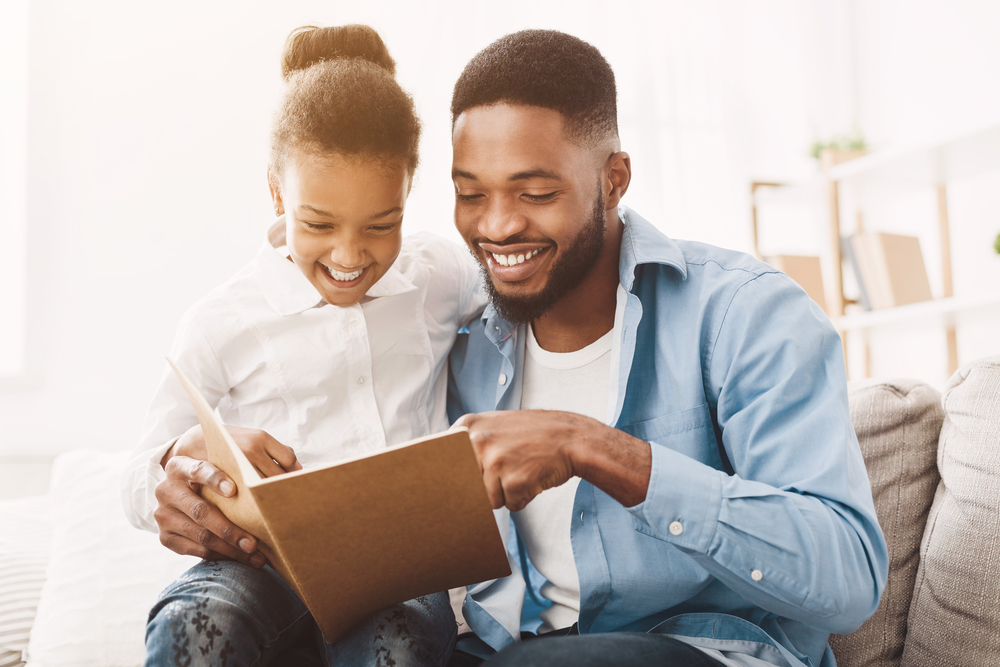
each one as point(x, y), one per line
point(330, 382)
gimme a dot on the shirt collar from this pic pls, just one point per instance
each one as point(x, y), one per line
point(288, 292)
point(642, 243)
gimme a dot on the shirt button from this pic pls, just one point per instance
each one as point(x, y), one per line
point(361, 379)
point(503, 378)
point(756, 575)
point(676, 528)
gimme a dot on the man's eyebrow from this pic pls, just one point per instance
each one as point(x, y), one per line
point(519, 176)
point(535, 173)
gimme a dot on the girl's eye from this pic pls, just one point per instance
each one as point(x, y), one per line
point(316, 227)
point(540, 198)
point(382, 229)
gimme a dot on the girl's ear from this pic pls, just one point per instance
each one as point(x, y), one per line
point(275, 188)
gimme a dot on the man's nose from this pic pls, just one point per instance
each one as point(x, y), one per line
point(501, 220)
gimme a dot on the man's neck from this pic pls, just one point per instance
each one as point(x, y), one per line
point(587, 312)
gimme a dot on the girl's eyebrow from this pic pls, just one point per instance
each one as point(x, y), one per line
point(333, 216)
point(313, 209)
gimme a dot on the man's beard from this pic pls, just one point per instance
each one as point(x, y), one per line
point(566, 273)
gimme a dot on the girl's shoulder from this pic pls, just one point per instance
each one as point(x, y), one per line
point(434, 256)
point(216, 315)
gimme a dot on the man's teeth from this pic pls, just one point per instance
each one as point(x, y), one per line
point(343, 277)
point(513, 260)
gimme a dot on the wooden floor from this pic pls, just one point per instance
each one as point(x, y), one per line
point(24, 476)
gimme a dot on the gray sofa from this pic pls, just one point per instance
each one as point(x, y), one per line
point(934, 464)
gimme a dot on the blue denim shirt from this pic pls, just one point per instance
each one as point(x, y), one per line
point(715, 352)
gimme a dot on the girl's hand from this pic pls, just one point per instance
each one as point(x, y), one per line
point(188, 524)
point(266, 454)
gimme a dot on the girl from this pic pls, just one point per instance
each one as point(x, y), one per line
point(333, 340)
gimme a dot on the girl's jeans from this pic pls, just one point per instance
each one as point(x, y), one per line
point(226, 614)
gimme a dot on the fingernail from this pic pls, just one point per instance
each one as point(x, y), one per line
point(227, 488)
point(257, 560)
point(247, 545)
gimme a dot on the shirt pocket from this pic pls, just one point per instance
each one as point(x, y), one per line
point(689, 432)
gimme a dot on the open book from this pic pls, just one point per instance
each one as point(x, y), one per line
point(368, 532)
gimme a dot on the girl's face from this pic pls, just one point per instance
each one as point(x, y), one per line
point(343, 220)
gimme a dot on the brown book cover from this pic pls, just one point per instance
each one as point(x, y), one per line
point(365, 533)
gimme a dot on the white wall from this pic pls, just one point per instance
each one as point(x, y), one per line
point(147, 151)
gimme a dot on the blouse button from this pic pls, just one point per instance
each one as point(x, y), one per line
point(756, 575)
point(676, 528)
point(361, 379)
point(503, 378)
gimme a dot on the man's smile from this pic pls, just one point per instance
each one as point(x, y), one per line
point(515, 262)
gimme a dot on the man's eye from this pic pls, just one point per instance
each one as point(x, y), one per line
point(460, 197)
point(540, 198)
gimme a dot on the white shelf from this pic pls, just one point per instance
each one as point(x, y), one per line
point(955, 157)
point(937, 312)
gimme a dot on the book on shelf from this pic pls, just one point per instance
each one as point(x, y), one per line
point(890, 269)
point(368, 532)
point(804, 270)
point(847, 251)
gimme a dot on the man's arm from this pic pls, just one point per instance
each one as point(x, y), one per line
point(794, 531)
point(523, 453)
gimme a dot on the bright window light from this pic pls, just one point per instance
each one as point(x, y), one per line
point(13, 185)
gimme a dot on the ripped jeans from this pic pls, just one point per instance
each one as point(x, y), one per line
point(226, 614)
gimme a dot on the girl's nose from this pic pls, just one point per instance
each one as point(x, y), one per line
point(348, 256)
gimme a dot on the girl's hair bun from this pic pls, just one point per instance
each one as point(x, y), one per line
point(309, 45)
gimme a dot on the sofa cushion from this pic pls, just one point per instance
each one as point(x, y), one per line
point(897, 423)
point(104, 575)
point(25, 543)
point(954, 617)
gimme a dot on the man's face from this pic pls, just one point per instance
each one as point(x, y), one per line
point(528, 203)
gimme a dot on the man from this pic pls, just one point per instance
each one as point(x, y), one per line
point(666, 421)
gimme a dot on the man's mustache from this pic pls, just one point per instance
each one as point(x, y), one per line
point(510, 240)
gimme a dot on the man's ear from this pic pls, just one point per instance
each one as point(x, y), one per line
point(617, 176)
point(275, 188)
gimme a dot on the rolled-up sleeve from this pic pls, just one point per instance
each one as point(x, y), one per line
point(794, 529)
point(170, 414)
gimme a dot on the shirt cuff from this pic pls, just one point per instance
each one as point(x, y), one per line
point(682, 502)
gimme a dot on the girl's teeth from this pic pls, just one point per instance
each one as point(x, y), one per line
point(343, 277)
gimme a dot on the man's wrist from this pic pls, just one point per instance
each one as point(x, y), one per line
point(613, 461)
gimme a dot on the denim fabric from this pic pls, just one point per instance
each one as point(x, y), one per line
point(225, 614)
point(758, 523)
point(612, 649)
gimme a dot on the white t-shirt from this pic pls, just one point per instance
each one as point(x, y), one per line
point(329, 382)
point(572, 382)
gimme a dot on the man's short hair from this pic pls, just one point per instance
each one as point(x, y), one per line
point(544, 68)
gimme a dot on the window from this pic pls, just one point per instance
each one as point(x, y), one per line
point(13, 186)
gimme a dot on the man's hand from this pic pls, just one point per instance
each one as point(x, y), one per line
point(189, 524)
point(524, 452)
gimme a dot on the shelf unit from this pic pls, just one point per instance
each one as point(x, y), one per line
point(931, 164)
